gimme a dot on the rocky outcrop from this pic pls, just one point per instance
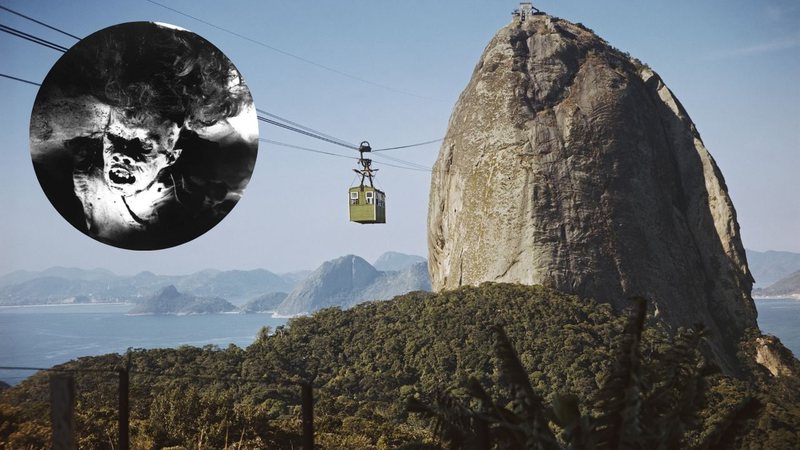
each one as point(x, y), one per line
point(773, 356)
point(569, 164)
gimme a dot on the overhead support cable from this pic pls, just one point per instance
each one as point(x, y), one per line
point(303, 127)
point(408, 163)
point(32, 38)
point(407, 146)
point(39, 22)
point(280, 121)
point(307, 133)
point(422, 169)
point(297, 128)
point(292, 55)
point(19, 79)
point(297, 147)
point(348, 144)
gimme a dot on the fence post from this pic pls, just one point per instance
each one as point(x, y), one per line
point(308, 415)
point(124, 408)
point(62, 411)
point(483, 437)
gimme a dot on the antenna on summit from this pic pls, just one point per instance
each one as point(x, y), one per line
point(526, 9)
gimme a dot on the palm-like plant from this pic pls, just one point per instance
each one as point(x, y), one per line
point(635, 408)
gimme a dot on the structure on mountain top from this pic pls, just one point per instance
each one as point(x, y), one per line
point(525, 10)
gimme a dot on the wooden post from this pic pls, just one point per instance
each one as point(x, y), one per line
point(62, 411)
point(308, 416)
point(483, 437)
point(124, 409)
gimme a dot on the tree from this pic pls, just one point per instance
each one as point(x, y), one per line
point(638, 405)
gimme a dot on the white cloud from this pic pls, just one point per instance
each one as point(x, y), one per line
point(764, 47)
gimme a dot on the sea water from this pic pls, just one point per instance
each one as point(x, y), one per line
point(43, 336)
point(781, 317)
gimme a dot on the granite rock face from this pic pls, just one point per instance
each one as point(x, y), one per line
point(568, 163)
point(773, 356)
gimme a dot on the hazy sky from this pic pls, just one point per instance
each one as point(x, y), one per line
point(734, 65)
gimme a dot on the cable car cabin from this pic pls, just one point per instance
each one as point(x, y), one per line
point(367, 205)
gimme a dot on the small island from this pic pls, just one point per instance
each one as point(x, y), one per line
point(170, 301)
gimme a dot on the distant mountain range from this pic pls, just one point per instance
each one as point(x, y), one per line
point(343, 282)
point(788, 287)
point(65, 285)
point(68, 273)
point(771, 266)
point(350, 280)
point(393, 261)
point(265, 303)
point(259, 290)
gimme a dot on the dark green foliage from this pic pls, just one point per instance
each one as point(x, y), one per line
point(366, 362)
point(620, 398)
point(479, 421)
point(636, 408)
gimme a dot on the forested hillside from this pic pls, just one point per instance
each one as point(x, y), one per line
point(367, 362)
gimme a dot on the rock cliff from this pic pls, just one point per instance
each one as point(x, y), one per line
point(570, 164)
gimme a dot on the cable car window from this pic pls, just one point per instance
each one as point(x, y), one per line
point(354, 198)
point(370, 199)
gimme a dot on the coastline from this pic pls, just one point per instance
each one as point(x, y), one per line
point(40, 305)
point(794, 297)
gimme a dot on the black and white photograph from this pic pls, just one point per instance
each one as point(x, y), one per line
point(144, 135)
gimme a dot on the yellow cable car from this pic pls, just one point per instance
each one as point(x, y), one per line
point(367, 203)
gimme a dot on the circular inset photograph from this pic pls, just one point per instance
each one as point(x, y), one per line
point(144, 135)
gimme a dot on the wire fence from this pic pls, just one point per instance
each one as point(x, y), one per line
point(84, 393)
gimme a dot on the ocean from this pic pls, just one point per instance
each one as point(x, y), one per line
point(43, 336)
point(781, 317)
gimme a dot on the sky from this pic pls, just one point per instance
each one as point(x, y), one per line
point(397, 70)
